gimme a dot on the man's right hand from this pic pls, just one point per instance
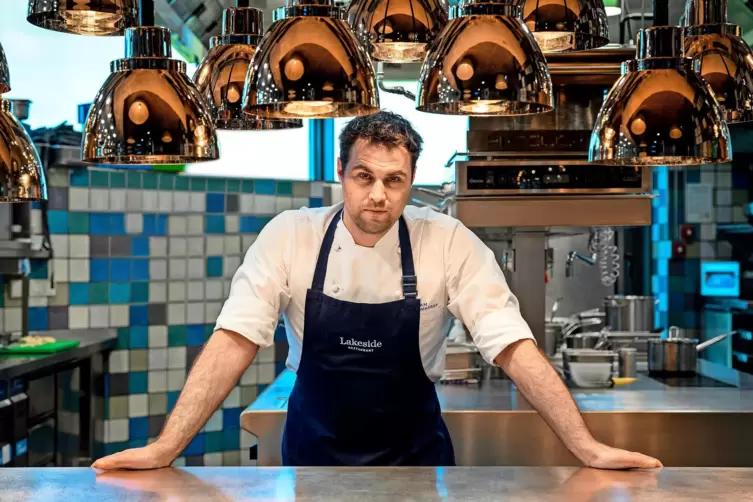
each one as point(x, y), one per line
point(152, 456)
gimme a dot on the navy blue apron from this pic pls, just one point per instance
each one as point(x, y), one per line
point(361, 396)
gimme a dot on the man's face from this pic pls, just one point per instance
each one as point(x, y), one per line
point(376, 185)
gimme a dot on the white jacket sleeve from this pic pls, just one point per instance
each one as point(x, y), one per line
point(479, 295)
point(260, 291)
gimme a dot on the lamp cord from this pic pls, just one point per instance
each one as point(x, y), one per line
point(146, 12)
point(661, 12)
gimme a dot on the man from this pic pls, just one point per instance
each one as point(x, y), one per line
point(364, 288)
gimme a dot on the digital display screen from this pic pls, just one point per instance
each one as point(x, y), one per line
point(720, 278)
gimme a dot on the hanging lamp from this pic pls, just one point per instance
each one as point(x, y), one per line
point(397, 31)
point(148, 111)
point(724, 58)
point(660, 111)
point(84, 17)
point(310, 65)
point(222, 73)
point(485, 62)
point(21, 175)
point(4, 73)
point(567, 25)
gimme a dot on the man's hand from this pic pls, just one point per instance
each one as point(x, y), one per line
point(606, 457)
point(152, 456)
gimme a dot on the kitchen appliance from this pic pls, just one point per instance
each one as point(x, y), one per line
point(676, 354)
point(628, 361)
point(630, 313)
point(588, 368)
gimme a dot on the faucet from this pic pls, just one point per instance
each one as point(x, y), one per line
point(572, 256)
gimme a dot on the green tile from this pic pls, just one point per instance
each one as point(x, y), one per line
point(100, 179)
point(301, 189)
point(166, 181)
point(78, 223)
point(234, 186)
point(176, 336)
point(134, 179)
point(123, 339)
point(158, 403)
point(198, 184)
point(117, 179)
point(248, 186)
point(284, 188)
point(99, 293)
point(249, 394)
point(208, 330)
point(213, 441)
point(149, 180)
point(217, 185)
point(182, 183)
point(139, 360)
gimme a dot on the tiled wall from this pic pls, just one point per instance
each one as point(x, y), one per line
point(152, 255)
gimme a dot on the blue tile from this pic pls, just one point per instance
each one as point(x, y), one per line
point(149, 225)
point(79, 177)
point(693, 176)
point(138, 428)
point(58, 221)
point(315, 202)
point(139, 334)
point(265, 187)
point(120, 292)
point(214, 266)
point(137, 443)
point(172, 398)
point(99, 270)
point(38, 318)
point(78, 293)
point(161, 224)
point(231, 418)
point(139, 292)
point(195, 335)
point(214, 224)
point(140, 246)
point(38, 269)
point(138, 382)
point(120, 269)
point(196, 446)
point(139, 315)
point(252, 224)
point(117, 224)
point(99, 224)
point(215, 203)
point(231, 439)
point(140, 270)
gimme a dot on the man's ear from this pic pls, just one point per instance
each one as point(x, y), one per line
point(340, 169)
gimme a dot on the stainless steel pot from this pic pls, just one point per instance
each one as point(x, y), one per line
point(676, 354)
point(630, 313)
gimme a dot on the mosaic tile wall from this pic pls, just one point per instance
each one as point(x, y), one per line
point(152, 255)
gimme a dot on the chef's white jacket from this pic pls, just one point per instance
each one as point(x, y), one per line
point(457, 273)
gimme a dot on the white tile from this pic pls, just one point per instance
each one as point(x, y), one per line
point(299, 202)
point(215, 245)
point(78, 246)
point(158, 270)
point(134, 200)
point(232, 244)
point(78, 270)
point(708, 232)
point(78, 199)
point(158, 358)
point(176, 313)
point(251, 375)
point(266, 373)
point(157, 247)
point(198, 202)
point(195, 313)
point(215, 422)
point(226, 284)
point(37, 301)
point(232, 224)
point(177, 225)
point(264, 204)
point(13, 318)
point(157, 336)
point(149, 201)
point(231, 265)
point(119, 317)
point(59, 245)
point(36, 222)
point(117, 430)
point(179, 462)
point(99, 199)
point(246, 203)
point(165, 201)
point(37, 241)
point(266, 355)
point(247, 440)
point(176, 379)
point(134, 223)
point(38, 287)
point(178, 246)
point(196, 268)
point(176, 358)
point(99, 316)
point(138, 405)
point(724, 197)
point(181, 202)
point(177, 268)
point(233, 400)
point(176, 291)
point(196, 290)
point(213, 288)
point(61, 269)
point(283, 203)
point(247, 241)
point(157, 292)
point(117, 199)
point(212, 311)
point(317, 190)
point(213, 459)
point(78, 317)
point(157, 381)
point(195, 246)
point(195, 225)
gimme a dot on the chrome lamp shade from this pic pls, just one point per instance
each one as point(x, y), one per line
point(4, 73)
point(222, 73)
point(148, 111)
point(310, 65)
point(724, 58)
point(485, 62)
point(660, 111)
point(21, 174)
point(397, 31)
point(562, 25)
point(84, 17)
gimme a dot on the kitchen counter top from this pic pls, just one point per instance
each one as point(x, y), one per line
point(476, 484)
point(92, 341)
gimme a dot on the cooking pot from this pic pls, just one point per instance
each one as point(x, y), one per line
point(629, 313)
point(676, 354)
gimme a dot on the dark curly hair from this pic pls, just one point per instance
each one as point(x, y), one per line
point(381, 128)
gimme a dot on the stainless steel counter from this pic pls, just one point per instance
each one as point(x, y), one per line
point(477, 484)
point(495, 425)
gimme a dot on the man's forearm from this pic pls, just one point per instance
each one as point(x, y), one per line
point(543, 388)
point(217, 369)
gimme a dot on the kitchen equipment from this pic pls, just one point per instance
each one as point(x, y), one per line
point(553, 338)
point(463, 362)
point(628, 362)
point(629, 313)
point(583, 340)
point(589, 368)
point(677, 354)
point(46, 348)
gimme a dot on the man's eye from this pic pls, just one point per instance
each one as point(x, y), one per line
point(363, 176)
point(395, 179)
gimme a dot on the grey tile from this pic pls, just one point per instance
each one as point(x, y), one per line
point(157, 314)
point(300, 189)
point(119, 387)
point(194, 460)
point(134, 200)
point(231, 458)
point(191, 354)
point(231, 203)
point(99, 246)
point(57, 198)
point(119, 404)
point(120, 245)
point(158, 358)
point(99, 316)
point(139, 360)
point(156, 421)
point(58, 317)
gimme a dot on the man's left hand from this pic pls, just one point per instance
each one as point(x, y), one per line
point(606, 457)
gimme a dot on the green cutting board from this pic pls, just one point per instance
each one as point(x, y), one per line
point(47, 348)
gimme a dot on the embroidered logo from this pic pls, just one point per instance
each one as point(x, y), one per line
point(367, 346)
point(427, 306)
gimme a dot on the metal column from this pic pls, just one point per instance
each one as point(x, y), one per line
point(528, 279)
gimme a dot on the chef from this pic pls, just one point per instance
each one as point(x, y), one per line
point(365, 288)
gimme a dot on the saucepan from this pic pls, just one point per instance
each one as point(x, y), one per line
point(677, 354)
